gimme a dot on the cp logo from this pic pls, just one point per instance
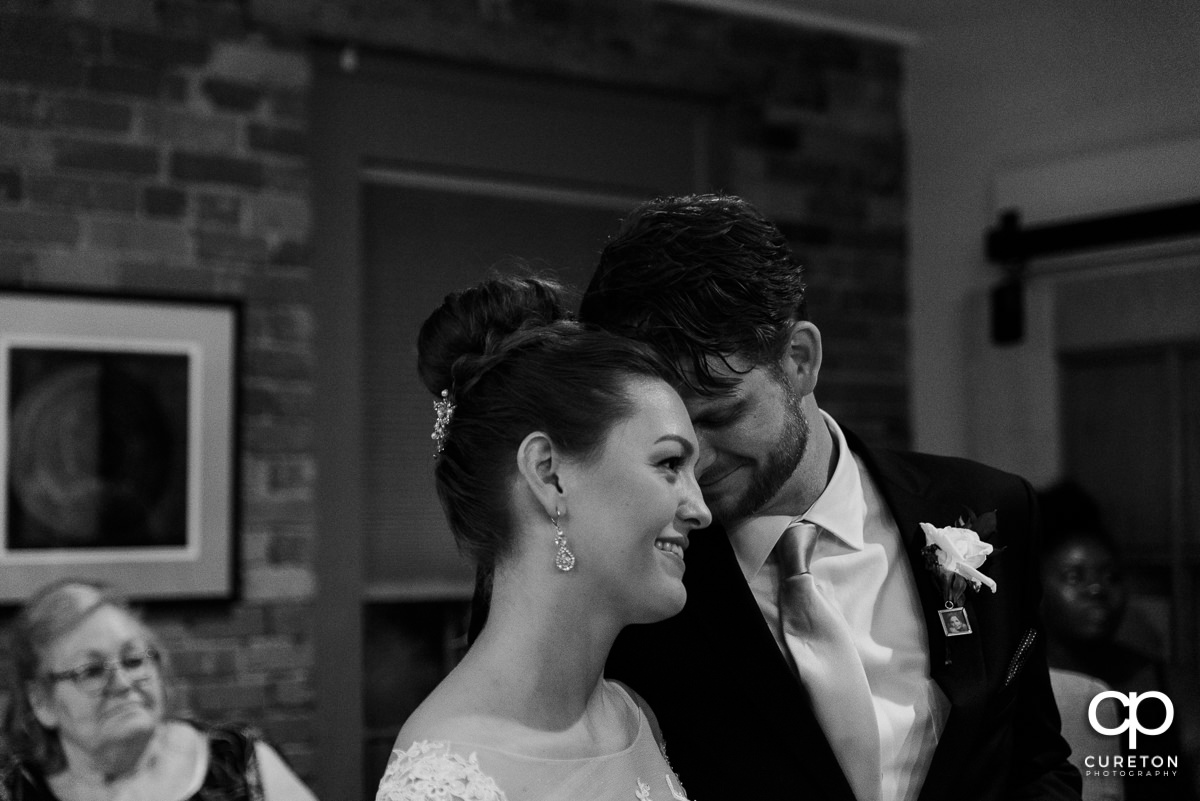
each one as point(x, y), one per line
point(1131, 723)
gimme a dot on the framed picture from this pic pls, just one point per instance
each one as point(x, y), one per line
point(117, 437)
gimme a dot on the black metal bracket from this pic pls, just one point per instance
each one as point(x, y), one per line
point(1011, 246)
point(1009, 242)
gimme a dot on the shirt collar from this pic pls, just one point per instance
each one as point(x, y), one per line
point(840, 510)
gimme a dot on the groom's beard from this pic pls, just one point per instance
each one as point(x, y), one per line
point(778, 465)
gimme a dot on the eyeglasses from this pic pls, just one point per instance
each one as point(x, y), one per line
point(93, 677)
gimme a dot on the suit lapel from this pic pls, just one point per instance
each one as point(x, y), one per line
point(956, 663)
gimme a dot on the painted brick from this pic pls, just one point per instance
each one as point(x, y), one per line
point(202, 168)
point(169, 275)
point(276, 510)
point(252, 62)
point(225, 246)
point(288, 549)
point(34, 226)
point(891, 241)
point(289, 104)
point(154, 50)
point(82, 112)
point(276, 363)
point(219, 209)
point(267, 654)
point(886, 212)
point(289, 217)
point(231, 95)
point(801, 234)
point(780, 138)
point(77, 269)
point(289, 252)
point(283, 284)
point(296, 692)
point(16, 266)
point(286, 177)
point(289, 474)
point(283, 726)
point(220, 19)
point(40, 71)
point(273, 583)
point(105, 157)
point(18, 107)
point(120, 79)
point(279, 323)
point(291, 618)
point(28, 150)
point(81, 193)
point(196, 132)
point(176, 87)
point(215, 698)
point(206, 662)
point(275, 139)
point(241, 621)
point(50, 37)
point(167, 239)
point(10, 184)
point(279, 476)
point(271, 435)
point(163, 201)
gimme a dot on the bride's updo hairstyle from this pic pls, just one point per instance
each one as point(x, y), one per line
point(515, 361)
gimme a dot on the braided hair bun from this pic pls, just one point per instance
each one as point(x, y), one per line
point(468, 334)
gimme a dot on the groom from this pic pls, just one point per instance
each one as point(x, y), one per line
point(870, 666)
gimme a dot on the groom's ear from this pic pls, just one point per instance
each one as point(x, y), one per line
point(802, 357)
point(539, 464)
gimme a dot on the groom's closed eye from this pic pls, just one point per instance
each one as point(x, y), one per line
point(717, 418)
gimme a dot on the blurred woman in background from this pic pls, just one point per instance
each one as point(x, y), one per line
point(1084, 604)
point(87, 715)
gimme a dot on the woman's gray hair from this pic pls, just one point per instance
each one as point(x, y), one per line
point(51, 612)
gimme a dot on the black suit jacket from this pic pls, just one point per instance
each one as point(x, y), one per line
point(738, 725)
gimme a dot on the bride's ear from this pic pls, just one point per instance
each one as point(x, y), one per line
point(540, 464)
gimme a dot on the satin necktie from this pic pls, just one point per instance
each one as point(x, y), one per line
point(828, 663)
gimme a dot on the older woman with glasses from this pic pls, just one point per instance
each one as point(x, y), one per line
point(86, 718)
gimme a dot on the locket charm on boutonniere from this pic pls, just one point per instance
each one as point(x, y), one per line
point(953, 555)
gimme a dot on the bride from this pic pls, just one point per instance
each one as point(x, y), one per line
point(566, 467)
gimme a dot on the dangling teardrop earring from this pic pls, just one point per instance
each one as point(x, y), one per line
point(564, 560)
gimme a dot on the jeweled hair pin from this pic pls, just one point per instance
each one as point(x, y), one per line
point(444, 409)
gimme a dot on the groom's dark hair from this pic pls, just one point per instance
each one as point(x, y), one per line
point(699, 276)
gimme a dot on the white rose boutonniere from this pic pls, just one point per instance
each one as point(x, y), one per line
point(959, 551)
point(954, 555)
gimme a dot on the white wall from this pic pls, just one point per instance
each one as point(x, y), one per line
point(1019, 94)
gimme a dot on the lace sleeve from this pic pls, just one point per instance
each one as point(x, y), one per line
point(430, 771)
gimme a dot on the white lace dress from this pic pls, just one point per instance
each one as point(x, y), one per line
point(453, 771)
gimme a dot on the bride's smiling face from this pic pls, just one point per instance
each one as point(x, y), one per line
point(632, 507)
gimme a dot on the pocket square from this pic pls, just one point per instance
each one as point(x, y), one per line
point(1020, 656)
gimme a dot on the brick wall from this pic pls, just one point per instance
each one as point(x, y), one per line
point(165, 154)
point(161, 147)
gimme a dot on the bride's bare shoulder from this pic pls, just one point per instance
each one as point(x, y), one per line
point(457, 714)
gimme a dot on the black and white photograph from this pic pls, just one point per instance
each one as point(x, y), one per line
point(600, 400)
point(118, 435)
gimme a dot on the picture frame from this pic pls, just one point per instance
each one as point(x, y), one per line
point(955, 622)
point(118, 437)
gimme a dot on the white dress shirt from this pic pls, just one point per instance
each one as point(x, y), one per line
point(860, 566)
